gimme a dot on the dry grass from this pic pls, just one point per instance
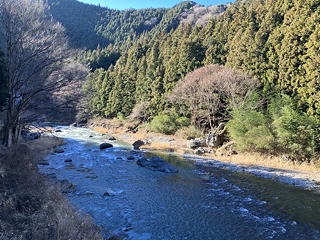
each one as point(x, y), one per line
point(30, 206)
point(256, 159)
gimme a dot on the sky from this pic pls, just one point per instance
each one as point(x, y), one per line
point(125, 4)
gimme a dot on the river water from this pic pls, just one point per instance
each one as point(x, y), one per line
point(198, 203)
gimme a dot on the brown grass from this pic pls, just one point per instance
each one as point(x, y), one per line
point(31, 207)
point(257, 159)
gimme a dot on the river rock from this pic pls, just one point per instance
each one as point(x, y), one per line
point(196, 143)
point(200, 151)
point(68, 160)
point(59, 150)
point(67, 187)
point(130, 158)
point(217, 136)
point(112, 193)
point(105, 145)
point(137, 144)
point(157, 164)
point(58, 131)
point(112, 138)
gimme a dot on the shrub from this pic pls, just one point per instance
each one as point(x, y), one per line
point(189, 132)
point(250, 130)
point(163, 123)
point(183, 122)
point(121, 117)
point(297, 133)
point(167, 123)
point(280, 128)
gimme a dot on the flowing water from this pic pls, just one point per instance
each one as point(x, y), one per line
point(198, 203)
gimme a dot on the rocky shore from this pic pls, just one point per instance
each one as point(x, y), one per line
point(206, 151)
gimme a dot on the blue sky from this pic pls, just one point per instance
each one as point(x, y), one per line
point(124, 4)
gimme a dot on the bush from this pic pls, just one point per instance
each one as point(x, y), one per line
point(121, 117)
point(167, 123)
point(280, 128)
point(163, 123)
point(250, 130)
point(189, 132)
point(297, 133)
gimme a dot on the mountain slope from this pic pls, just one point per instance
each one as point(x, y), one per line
point(89, 26)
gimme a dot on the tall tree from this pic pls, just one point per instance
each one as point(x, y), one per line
point(36, 56)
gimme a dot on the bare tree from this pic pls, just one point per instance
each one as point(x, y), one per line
point(36, 56)
point(209, 90)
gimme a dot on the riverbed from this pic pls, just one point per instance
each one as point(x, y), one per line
point(198, 203)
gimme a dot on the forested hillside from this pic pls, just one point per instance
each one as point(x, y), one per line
point(277, 41)
point(259, 37)
point(89, 26)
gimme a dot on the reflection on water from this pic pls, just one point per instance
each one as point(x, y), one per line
point(197, 203)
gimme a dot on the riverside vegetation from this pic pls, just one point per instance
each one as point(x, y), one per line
point(251, 66)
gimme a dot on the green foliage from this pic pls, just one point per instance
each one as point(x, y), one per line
point(167, 123)
point(282, 128)
point(251, 130)
point(276, 41)
point(297, 133)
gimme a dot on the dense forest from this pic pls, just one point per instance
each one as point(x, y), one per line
point(275, 41)
point(139, 59)
point(90, 26)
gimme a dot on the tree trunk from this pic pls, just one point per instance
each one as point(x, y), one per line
point(8, 136)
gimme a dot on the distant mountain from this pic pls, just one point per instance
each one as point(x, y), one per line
point(89, 25)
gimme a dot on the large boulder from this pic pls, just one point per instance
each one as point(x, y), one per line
point(137, 144)
point(196, 143)
point(105, 145)
point(157, 164)
point(217, 136)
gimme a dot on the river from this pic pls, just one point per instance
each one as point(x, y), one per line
point(198, 203)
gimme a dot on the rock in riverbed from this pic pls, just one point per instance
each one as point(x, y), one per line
point(58, 150)
point(196, 143)
point(200, 151)
point(67, 187)
point(112, 193)
point(105, 145)
point(157, 164)
point(68, 160)
point(137, 144)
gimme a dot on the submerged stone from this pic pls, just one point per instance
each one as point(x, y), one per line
point(157, 164)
